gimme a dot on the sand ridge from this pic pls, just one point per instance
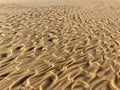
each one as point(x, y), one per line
point(60, 47)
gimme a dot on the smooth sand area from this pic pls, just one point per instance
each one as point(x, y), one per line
point(60, 45)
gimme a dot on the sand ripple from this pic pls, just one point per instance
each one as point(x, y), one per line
point(60, 48)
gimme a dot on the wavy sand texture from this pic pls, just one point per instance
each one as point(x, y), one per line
point(60, 46)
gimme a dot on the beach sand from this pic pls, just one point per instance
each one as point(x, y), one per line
point(60, 45)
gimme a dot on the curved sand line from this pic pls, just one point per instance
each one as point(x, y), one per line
point(60, 47)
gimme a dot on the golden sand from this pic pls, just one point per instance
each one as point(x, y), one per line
point(65, 45)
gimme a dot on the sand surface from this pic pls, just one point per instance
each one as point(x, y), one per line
point(60, 45)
